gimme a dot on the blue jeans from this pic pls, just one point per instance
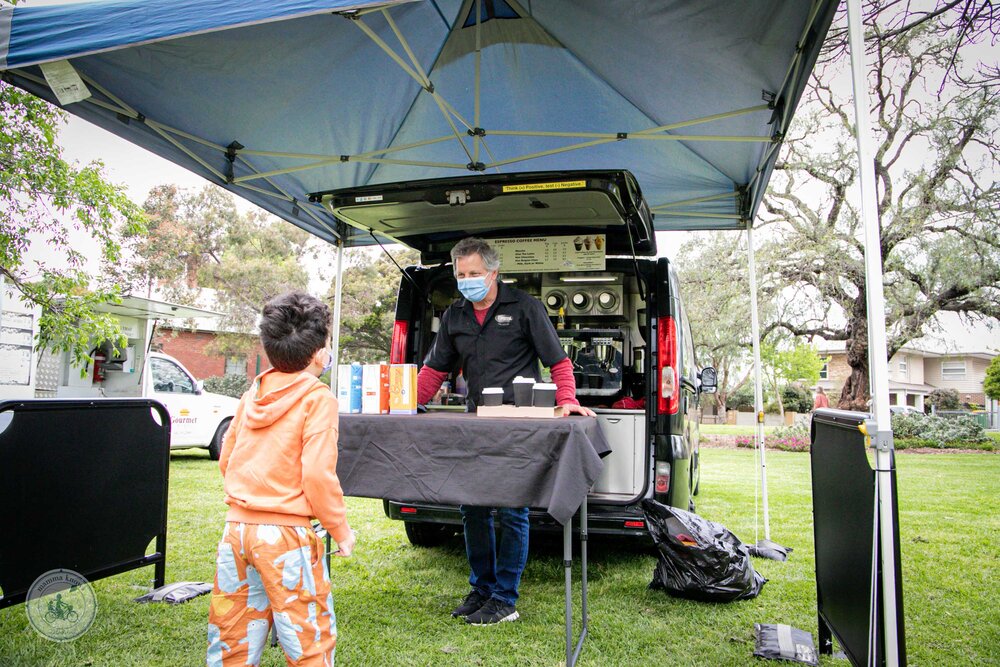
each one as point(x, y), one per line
point(496, 572)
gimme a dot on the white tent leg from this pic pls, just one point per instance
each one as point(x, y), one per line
point(758, 391)
point(338, 298)
point(877, 348)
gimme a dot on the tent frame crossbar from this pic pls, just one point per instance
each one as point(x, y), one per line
point(303, 206)
point(165, 131)
point(477, 81)
point(624, 136)
point(417, 74)
point(694, 200)
point(699, 214)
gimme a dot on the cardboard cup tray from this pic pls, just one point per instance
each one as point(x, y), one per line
point(514, 411)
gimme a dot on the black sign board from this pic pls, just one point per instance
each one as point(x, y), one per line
point(83, 487)
point(844, 512)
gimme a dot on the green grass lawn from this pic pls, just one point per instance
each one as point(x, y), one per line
point(392, 600)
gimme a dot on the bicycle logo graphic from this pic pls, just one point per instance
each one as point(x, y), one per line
point(61, 605)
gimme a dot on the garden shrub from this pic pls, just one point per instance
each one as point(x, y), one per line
point(945, 399)
point(796, 399)
point(741, 399)
point(940, 432)
point(227, 385)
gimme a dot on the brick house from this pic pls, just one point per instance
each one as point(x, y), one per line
point(189, 346)
point(914, 374)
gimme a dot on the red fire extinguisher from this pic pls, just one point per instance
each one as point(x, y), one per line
point(99, 360)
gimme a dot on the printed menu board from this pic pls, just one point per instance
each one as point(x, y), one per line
point(552, 253)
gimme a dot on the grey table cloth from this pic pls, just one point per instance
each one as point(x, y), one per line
point(462, 459)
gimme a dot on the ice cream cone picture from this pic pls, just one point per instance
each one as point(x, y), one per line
point(599, 242)
point(578, 243)
point(586, 243)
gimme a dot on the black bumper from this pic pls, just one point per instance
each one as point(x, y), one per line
point(601, 519)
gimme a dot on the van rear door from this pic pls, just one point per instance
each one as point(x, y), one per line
point(432, 215)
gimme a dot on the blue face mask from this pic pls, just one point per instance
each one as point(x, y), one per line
point(473, 289)
point(329, 362)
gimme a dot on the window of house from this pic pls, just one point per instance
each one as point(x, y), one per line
point(953, 370)
point(903, 368)
point(824, 373)
point(236, 366)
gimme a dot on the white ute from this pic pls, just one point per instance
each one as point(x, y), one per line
point(198, 418)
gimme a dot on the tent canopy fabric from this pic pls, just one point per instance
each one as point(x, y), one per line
point(278, 100)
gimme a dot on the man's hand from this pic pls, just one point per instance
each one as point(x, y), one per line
point(346, 548)
point(572, 408)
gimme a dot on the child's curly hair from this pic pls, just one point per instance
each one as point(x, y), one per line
point(292, 327)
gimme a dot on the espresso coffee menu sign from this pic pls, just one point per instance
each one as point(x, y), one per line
point(552, 253)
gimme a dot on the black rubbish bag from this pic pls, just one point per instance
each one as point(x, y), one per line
point(699, 559)
point(783, 642)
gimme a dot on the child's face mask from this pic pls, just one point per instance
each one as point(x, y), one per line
point(329, 361)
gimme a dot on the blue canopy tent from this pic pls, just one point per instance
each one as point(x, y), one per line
point(277, 100)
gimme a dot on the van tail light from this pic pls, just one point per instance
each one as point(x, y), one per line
point(397, 353)
point(407, 510)
point(662, 477)
point(668, 400)
point(635, 523)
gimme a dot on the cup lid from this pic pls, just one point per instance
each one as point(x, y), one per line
point(493, 390)
point(520, 379)
point(545, 385)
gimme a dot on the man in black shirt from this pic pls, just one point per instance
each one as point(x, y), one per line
point(495, 334)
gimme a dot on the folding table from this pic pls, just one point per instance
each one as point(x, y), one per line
point(454, 459)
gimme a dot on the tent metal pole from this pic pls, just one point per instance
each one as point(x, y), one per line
point(693, 214)
point(316, 156)
point(758, 391)
point(694, 200)
point(417, 73)
point(338, 297)
point(306, 207)
point(634, 135)
point(878, 362)
point(338, 160)
point(479, 54)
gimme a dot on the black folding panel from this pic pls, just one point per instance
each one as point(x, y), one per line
point(83, 486)
point(843, 491)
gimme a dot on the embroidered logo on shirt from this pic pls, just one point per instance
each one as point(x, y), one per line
point(504, 320)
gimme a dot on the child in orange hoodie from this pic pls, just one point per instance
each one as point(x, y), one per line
point(279, 463)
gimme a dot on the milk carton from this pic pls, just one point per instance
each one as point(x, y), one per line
point(356, 380)
point(344, 387)
point(375, 389)
point(384, 385)
point(403, 389)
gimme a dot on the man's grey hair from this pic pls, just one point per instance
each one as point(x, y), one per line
point(476, 246)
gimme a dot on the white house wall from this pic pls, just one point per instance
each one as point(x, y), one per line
point(975, 374)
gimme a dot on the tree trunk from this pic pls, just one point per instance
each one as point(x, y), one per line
point(855, 394)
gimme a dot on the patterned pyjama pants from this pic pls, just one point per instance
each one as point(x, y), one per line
point(268, 574)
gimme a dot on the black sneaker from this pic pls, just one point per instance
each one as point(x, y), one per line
point(472, 602)
point(494, 611)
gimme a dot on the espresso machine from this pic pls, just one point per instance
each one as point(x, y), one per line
point(597, 357)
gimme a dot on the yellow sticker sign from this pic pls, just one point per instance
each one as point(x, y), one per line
point(541, 187)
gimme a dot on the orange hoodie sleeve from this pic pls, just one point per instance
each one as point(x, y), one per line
point(229, 440)
point(319, 465)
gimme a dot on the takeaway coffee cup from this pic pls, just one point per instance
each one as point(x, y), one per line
point(522, 391)
point(493, 396)
point(543, 395)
